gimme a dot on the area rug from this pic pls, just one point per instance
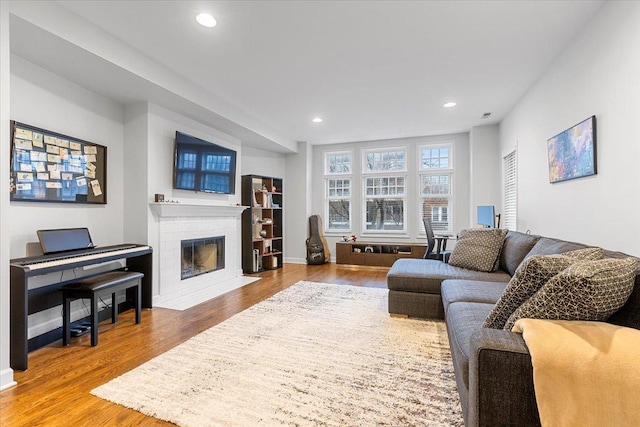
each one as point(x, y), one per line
point(314, 354)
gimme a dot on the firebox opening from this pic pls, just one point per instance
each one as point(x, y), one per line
point(200, 256)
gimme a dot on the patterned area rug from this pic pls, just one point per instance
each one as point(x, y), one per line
point(314, 354)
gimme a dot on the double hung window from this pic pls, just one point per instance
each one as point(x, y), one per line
point(435, 172)
point(384, 176)
point(337, 179)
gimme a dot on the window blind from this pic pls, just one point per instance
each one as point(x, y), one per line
point(510, 209)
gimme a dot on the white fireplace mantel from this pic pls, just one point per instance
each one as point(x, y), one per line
point(176, 210)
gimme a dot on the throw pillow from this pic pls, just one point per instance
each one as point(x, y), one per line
point(478, 249)
point(587, 290)
point(530, 275)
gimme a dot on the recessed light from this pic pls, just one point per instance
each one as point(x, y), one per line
point(449, 105)
point(317, 120)
point(206, 20)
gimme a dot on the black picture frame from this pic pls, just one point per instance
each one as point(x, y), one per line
point(48, 166)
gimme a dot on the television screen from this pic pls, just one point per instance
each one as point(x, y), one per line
point(486, 216)
point(203, 166)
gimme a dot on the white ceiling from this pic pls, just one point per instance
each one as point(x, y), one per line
point(371, 69)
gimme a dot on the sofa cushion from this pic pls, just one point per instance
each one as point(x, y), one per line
point(463, 319)
point(471, 291)
point(478, 249)
point(587, 290)
point(532, 274)
point(516, 246)
point(426, 275)
point(629, 314)
point(549, 246)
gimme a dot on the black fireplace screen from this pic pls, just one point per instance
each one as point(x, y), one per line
point(200, 256)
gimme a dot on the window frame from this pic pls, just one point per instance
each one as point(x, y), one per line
point(392, 173)
point(436, 171)
point(325, 160)
point(337, 176)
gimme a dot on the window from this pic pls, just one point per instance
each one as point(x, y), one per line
point(384, 190)
point(510, 170)
point(338, 204)
point(337, 171)
point(384, 160)
point(436, 189)
point(336, 163)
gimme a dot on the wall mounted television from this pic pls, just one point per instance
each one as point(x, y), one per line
point(203, 166)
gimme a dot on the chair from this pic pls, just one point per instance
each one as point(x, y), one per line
point(439, 243)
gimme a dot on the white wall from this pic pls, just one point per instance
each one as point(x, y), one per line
point(485, 169)
point(297, 199)
point(260, 162)
point(44, 100)
point(415, 229)
point(6, 373)
point(597, 74)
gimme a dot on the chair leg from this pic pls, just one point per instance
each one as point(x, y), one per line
point(66, 319)
point(114, 308)
point(94, 320)
point(138, 302)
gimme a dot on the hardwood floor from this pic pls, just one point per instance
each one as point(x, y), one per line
point(54, 391)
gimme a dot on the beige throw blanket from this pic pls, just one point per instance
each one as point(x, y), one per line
point(584, 373)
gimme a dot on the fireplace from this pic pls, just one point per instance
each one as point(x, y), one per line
point(200, 256)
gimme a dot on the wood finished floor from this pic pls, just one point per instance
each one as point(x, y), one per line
point(54, 391)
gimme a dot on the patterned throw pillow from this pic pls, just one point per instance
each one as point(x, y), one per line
point(478, 249)
point(530, 275)
point(587, 290)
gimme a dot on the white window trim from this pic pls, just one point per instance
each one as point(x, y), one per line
point(363, 162)
point(445, 144)
point(326, 203)
point(336, 176)
point(325, 165)
point(364, 198)
point(433, 171)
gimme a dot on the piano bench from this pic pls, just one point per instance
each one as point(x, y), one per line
point(93, 288)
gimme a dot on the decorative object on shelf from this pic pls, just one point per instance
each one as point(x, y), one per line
point(263, 233)
point(351, 238)
point(159, 198)
point(368, 249)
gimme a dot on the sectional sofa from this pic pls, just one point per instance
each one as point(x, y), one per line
point(493, 368)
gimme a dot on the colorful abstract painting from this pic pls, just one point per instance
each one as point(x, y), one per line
point(572, 153)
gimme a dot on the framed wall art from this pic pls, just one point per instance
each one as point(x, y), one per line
point(572, 153)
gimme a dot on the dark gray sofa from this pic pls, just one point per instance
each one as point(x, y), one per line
point(493, 368)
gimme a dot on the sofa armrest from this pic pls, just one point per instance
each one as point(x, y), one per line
point(500, 380)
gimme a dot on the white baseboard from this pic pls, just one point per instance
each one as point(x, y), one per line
point(6, 379)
